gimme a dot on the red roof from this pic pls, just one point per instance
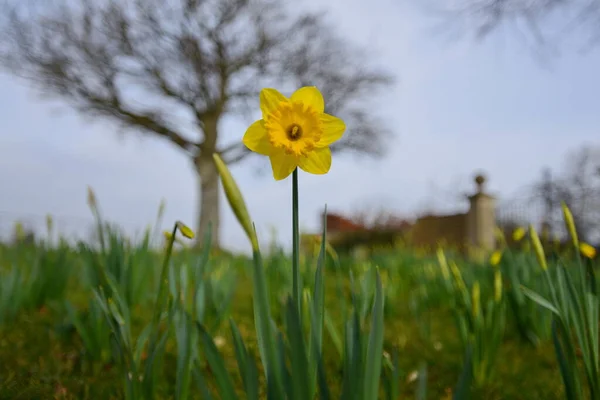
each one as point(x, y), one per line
point(337, 223)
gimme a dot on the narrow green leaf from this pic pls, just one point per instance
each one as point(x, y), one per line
point(204, 256)
point(392, 377)
point(184, 358)
point(241, 354)
point(321, 376)
point(317, 313)
point(463, 387)
point(566, 366)
point(217, 365)
point(375, 347)
point(592, 318)
point(283, 370)
point(83, 332)
point(199, 379)
point(539, 300)
point(223, 304)
point(298, 358)
point(141, 342)
point(150, 369)
point(333, 334)
point(246, 365)
point(264, 331)
point(576, 316)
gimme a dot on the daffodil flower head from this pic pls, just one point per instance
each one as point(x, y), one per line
point(519, 234)
point(587, 250)
point(294, 132)
point(495, 258)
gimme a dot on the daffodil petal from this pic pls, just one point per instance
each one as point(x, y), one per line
point(333, 129)
point(257, 139)
point(310, 96)
point(283, 164)
point(270, 100)
point(317, 161)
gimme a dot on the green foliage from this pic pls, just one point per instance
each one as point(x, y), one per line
point(574, 304)
point(127, 338)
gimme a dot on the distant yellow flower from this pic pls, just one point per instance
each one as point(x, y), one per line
point(519, 234)
point(495, 258)
point(587, 250)
point(294, 132)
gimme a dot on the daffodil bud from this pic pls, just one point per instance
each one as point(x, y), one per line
point(537, 248)
point(185, 230)
point(519, 234)
point(476, 299)
point(19, 231)
point(587, 250)
point(443, 263)
point(460, 283)
point(570, 223)
point(495, 258)
point(236, 201)
point(497, 286)
point(49, 223)
point(161, 208)
point(91, 199)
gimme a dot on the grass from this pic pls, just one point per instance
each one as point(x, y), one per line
point(42, 354)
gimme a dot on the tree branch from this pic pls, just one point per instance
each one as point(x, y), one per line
point(150, 65)
point(481, 17)
point(234, 153)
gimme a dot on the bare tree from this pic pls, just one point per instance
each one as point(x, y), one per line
point(175, 68)
point(579, 187)
point(531, 17)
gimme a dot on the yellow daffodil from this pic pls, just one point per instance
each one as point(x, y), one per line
point(495, 258)
point(519, 234)
point(587, 250)
point(294, 132)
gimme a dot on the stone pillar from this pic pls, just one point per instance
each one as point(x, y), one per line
point(481, 218)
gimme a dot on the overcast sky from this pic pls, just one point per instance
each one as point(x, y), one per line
point(457, 108)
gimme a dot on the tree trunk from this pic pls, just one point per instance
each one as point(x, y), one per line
point(208, 199)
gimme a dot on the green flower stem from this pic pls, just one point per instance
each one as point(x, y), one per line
point(162, 288)
point(297, 286)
